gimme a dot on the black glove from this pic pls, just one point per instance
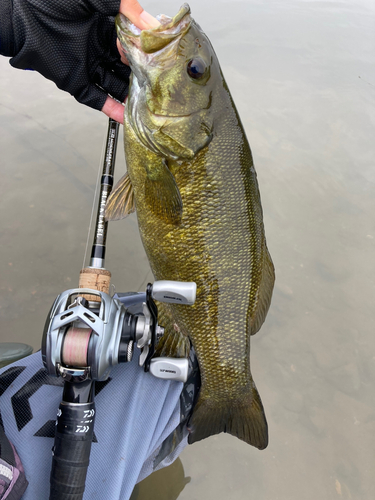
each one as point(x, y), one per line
point(71, 42)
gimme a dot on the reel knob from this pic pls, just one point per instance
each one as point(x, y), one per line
point(170, 368)
point(174, 292)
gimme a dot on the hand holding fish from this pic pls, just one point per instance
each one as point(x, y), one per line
point(74, 45)
point(143, 20)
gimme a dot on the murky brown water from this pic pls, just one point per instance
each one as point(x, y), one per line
point(302, 74)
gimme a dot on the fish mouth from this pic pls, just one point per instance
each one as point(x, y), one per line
point(157, 112)
point(153, 51)
point(153, 40)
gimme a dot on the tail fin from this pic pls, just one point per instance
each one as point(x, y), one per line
point(243, 418)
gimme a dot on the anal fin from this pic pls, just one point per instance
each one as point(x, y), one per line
point(174, 343)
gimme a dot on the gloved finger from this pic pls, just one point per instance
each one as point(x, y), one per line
point(107, 7)
point(115, 86)
point(114, 110)
point(121, 70)
point(92, 95)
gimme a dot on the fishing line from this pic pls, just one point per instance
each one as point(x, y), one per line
point(94, 200)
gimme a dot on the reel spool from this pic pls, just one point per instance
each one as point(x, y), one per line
point(75, 347)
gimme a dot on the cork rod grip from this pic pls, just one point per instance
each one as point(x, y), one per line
point(96, 279)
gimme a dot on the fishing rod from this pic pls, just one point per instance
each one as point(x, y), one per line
point(88, 331)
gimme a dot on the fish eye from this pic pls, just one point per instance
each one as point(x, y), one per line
point(196, 68)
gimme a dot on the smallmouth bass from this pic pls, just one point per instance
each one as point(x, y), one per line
point(192, 182)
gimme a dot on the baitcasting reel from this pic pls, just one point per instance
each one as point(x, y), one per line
point(83, 339)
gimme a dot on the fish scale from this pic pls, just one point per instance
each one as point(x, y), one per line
point(200, 219)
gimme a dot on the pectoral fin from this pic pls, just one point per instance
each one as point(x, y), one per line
point(162, 194)
point(121, 201)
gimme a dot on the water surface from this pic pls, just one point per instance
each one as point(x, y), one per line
point(302, 75)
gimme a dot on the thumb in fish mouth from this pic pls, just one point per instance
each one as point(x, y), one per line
point(153, 34)
point(139, 17)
